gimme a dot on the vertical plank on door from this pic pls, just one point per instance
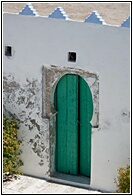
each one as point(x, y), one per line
point(61, 131)
point(66, 125)
point(72, 123)
point(86, 111)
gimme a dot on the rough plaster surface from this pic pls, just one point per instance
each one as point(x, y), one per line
point(22, 102)
point(102, 49)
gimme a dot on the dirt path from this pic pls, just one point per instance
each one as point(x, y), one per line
point(112, 13)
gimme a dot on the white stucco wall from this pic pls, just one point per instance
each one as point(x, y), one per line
point(100, 48)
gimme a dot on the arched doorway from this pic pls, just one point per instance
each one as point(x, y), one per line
point(74, 105)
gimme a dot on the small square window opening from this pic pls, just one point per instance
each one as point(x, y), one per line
point(8, 50)
point(72, 56)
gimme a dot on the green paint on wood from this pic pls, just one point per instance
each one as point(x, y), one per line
point(72, 124)
point(67, 125)
point(73, 102)
point(86, 112)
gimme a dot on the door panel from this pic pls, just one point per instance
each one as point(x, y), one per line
point(67, 125)
point(61, 104)
point(72, 123)
point(86, 111)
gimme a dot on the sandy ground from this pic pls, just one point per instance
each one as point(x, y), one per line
point(112, 13)
point(29, 185)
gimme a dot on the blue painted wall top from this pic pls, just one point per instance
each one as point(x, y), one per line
point(95, 18)
point(28, 10)
point(58, 13)
point(126, 23)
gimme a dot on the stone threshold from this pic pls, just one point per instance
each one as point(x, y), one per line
point(73, 180)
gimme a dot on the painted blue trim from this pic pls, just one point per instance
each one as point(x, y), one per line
point(58, 13)
point(126, 23)
point(28, 10)
point(95, 18)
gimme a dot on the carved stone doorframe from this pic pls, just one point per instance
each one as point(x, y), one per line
point(50, 77)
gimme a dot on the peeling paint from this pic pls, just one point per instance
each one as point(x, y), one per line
point(41, 162)
point(35, 124)
point(25, 99)
point(10, 86)
point(21, 100)
point(30, 105)
point(30, 127)
point(38, 147)
point(31, 140)
point(24, 102)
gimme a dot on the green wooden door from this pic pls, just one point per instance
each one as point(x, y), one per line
point(73, 102)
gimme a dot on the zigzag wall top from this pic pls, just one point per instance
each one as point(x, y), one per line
point(59, 13)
